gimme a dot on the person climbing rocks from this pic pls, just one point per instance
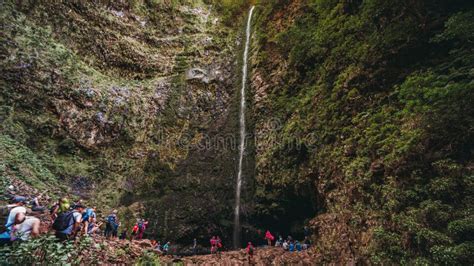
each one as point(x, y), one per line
point(25, 227)
point(89, 219)
point(68, 224)
point(250, 250)
point(35, 205)
point(15, 217)
point(62, 205)
point(269, 237)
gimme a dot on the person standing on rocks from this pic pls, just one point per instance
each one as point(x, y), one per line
point(141, 229)
point(135, 230)
point(194, 246)
point(269, 237)
point(213, 244)
point(111, 228)
point(250, 250)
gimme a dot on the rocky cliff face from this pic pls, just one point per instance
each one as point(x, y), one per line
point(361, 109)
point(361, 118)
point(129, 103)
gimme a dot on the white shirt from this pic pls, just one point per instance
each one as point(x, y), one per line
point(12, 215)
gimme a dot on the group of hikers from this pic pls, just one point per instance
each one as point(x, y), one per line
point(288, 244)
point(70, 220)
point(67, 221)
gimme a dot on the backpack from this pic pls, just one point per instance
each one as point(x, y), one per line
point(111, 219)
point(63, 221)
point(89, 212)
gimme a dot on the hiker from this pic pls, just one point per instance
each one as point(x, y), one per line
point(269, 237)
point(93, 227)
point(68, 224)
point(25, 227)
point(79, 202)
point(141, 228)
point(53, 211)
point(213, 244)
point(135, 230)
point(298, 246)
point(307, 231)
point(123, 235)
point(166, 247)
point(89, 219)
point(158, 248)
point(218, 243)
point(306, 243)
point(279, 242)
point(194, 246)
point(250, 250)
point(35, 205)
point(10, 192)
point(285, 245)
point(62, 205)
point(291, 247)
point(111, 225)
point(15, 216)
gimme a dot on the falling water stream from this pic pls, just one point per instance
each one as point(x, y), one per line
point(236, 235)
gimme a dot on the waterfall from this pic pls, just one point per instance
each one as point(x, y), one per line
point(236, 236)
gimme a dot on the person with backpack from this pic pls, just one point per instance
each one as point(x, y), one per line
point(111, 228)
point(68, 224)
point(16, 215)
point(141, 228)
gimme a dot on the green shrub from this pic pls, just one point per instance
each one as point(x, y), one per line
point(45, 250)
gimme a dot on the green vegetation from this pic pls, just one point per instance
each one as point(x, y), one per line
point(378, 95)
point(47, 250)
point(362, 114)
